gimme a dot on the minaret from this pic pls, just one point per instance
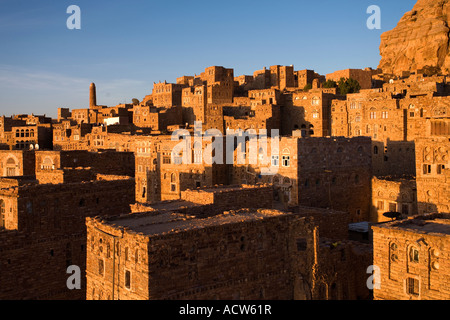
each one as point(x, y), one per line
point(92, 96)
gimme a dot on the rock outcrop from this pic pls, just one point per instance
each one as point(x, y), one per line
point(419, 41)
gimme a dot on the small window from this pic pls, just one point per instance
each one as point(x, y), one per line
point(412, 286)
point(380, 205)
point(275, 161)
point(127, 279)
point(414, 254)
point(426, 169)
point(286, 161)
point(392, 207)
point(101, 267)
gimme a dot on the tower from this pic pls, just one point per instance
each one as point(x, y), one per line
point(92, 96)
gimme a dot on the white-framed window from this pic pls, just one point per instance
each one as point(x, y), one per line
point(275, 160)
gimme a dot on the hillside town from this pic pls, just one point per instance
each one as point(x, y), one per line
point(355, 172)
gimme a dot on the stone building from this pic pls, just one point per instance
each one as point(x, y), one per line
point(308, 112)
point(162, 174)
point(42, 230)
point(364, 77)
point(412, 257)
point(390, 194)
point(166, 94)
point(305, 77)
point(15, 163)
point(192, 251)
point(433, 174)
point(22, 132)
point(312, 172)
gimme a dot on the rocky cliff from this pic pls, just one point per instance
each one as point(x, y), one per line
point(420, 40)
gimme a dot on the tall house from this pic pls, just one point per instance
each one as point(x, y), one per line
point(194, 100)
point(166, 94)
point(220, 84)
point(312, 172)
point(282, 77)
point(308, 112)
point(304, 77)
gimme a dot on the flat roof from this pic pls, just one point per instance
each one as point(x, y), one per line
point(154, 224)
point(440, 226)
point(229, 188)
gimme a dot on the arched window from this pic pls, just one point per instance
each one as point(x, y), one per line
point(27, 133)
point(11, 167)
point(173, 185)
point(22, 133)
point(413, 254)
point(32, 133)
point(47, 164)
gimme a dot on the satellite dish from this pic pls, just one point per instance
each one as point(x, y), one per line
point(392, 215)
point(36, 146)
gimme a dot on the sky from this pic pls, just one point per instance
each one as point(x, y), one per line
point(126, 46)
